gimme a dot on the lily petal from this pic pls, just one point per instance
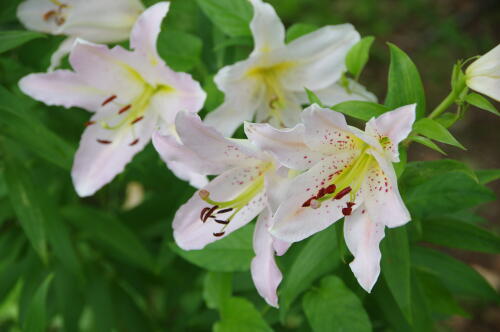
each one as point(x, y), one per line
point(326, 131)
point(292, 221)
point(31, 14)
point(395, 125)
point(336, 94)
point(104, 153)
point(287, 145)
point(210, 145)
point(146, 30)
point(267, 29)
point(265, 273)
point(190, 232)
point(61, 52)
point(184, 163)
point(363, 236)
point(319, 57)
point(483, 75)
point(382, 199)
point(62, 88)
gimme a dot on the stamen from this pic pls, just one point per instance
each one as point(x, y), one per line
point(219, 234)
point(104, 141)
point(225, 210)
point(137, 120)
point(342, 193)
point(134, 142)
point(107, 101)
point(209, 213)
point(273, 101)
point(124, 109)
point(202, 214)
point(88, 123)
point(60, 20)
point(224, 222)
point(347, 211)
point(330, 189)
point(48, 15)
point(308, 202)
point(321, 193)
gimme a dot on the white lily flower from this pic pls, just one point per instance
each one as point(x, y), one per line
point(248, 185)
point(98, 21)
point(483, 75)
point(349, 174)
point(269, 85)
point(131, 92)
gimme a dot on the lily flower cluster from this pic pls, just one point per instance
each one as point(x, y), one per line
point(298, 172)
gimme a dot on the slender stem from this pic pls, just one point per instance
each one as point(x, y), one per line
point(443, 106)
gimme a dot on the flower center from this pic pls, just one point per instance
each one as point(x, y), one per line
point(274, 95)
point(57, 15)
point(222, 212)
point(347, 181)
point(127, 116)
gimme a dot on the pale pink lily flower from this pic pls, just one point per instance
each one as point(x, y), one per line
point(269, 85)
point(349, 174)
point(132, 93)
point(483, 75)
point(249, 183)
point(98, 21)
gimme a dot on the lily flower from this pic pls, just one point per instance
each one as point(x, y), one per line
point(349, 174)
point(98, 21)
point(131, 92)
point(483, 75)
point(248, 184)
point(269, 85)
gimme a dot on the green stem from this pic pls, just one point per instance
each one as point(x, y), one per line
point(443, 106)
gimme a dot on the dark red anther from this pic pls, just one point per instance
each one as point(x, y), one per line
point(308, 202)
point(104, 141)
point(107, 101)
point(321, 193)
point(124, 109)
point(89, 123)
point(331, 189)
point(347, 211)
point(350, 204)
point(49, 14)
point(219, 234)
point(134, 142)
point(224, 222)
point(210, 211)
point(137, 120)
point(225, 210)
point(202, 214)
point(342, 193)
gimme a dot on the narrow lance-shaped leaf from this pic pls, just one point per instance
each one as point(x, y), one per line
point(404, 83)
point(481, 103)
point(428, 143)
point(12, 39)
point(217, 289)
point(36, 317)
point(231, 16)
point(358, 55)
point(434, 130)
point(238, 314)
point(362, 110)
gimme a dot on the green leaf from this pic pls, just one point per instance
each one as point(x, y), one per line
point(358, 55)
point(180, 50)
point(363, 110)
point(13, 39)
point(436, 131)
point(104, 228)
point(237, 314)
point(36, 317)
point(25, 200)
point(217, 288)
point(488, 175)
point(428, 143)
point(404, 83)
point(461, 235)
point(441, 300)
point(231, 16)
point(395, 266)
point(317, 258)
point(298, 30)
point(313, 98)
point(419, 172)
point(458, 277)
point(334, 307)
point(236, 249)
point(100, 301)
point(481, 102)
